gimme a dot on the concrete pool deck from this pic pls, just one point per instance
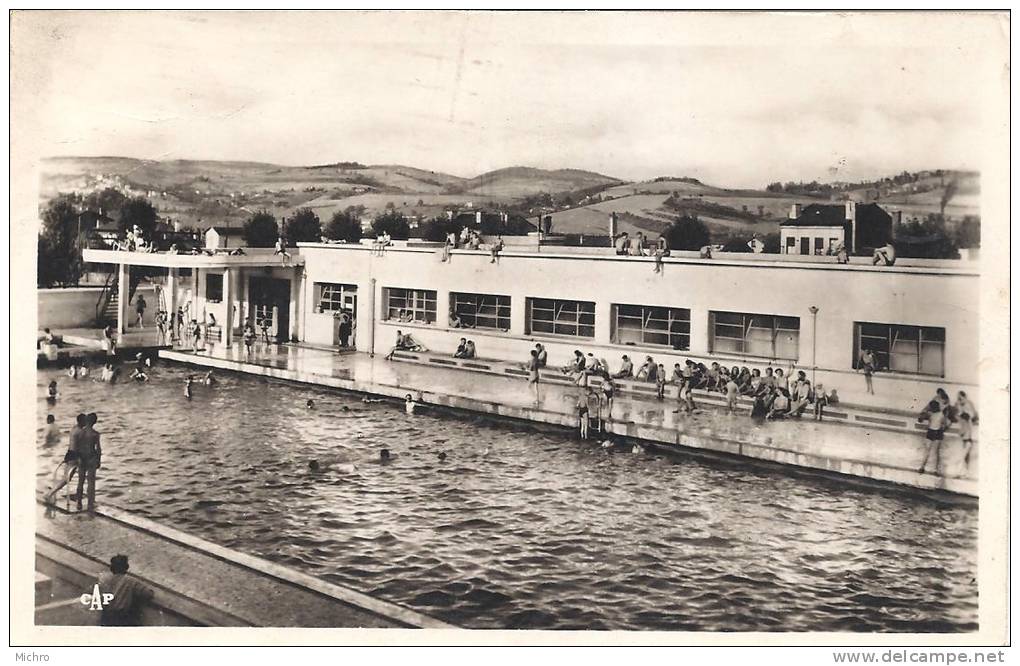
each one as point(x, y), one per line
point(196, 583)
point(853, 451)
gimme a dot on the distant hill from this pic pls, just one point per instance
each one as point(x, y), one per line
point(523, 181)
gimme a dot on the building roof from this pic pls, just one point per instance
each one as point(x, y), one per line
point(834, 215)
point(227, 231)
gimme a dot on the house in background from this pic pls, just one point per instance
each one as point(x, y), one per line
point(818, 228)
point(224, 237)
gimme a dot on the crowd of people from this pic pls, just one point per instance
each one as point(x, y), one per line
point(938, 415)
point(471, 239)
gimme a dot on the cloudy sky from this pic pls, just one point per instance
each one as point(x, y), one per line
point(737, 100)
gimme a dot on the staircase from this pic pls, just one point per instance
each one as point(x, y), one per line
point(109, 298)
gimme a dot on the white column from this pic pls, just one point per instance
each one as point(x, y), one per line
point(603, 323)
point(518, 314)
point(171, 291)
point(370, 307)
point(228, 299)
point(443, 308)
point(123, 290)
point(699, 331)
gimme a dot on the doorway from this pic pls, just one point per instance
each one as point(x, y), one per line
point(269, 300)
point(345, 316)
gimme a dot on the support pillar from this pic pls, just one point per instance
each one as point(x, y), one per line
point(699, 331)
point(228, 300)
point(370, 303)
point(123, 291)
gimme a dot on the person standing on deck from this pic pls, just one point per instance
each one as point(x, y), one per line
point(140, 311)
point(249, 339)
point(543, 355)
point(868, 365)
point(533, 375)
point(968, 416)
point(90, 455)
point(937, 420)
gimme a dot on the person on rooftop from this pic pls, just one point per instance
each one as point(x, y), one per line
point(461, 348)
point(497, 247)
point(884, 256)
point(469, 349)
point(637, 246)
point(622, 244)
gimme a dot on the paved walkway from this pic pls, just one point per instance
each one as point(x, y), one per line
point(874, 453)
point(200, 581)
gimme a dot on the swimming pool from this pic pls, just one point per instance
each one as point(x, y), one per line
point(520, 527)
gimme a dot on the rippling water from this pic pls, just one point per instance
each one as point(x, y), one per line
point(521, 527)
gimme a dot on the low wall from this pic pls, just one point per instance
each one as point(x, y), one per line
point(75, 307)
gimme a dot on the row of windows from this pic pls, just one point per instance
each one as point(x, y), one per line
point(897, 348)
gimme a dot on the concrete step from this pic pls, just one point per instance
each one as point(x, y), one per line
point(43, 588)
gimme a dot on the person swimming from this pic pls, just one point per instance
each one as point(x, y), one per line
point(187, 387)
point(52, 392)
point(385, 456)
point(409, 404)
point(310, 404)
point(442, 456)
point(139, 375)
point(209, 380)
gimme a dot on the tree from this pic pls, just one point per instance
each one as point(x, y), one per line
point(59, 255)
point(772, 243)
point(108, 200)
point(925, 240)
point(138, 211)
point(344, 226)
point(394, 223)
point(261, 230)
point(304, 227)
point(735, 245)
point(437, 228)
point(687, 233)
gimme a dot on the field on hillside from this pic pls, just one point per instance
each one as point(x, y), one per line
point(431, 204)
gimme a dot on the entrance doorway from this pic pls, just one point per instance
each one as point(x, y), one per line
point(269, 300)
point(342, 301)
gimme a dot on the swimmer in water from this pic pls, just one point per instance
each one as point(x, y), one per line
point(442, 456)
point(51, 436)
point(409, 404)
point(310, 405)
point(637, 449)
point(187, 387)
point(51, 391)
point(384, 456)
point(313, 466)
point(139, 375)
point(209, 380)
point(608, 444)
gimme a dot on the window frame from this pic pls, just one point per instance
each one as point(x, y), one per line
point(673, 315)
point(468, 306)
point(562, 317)
point(335, 292)
point(747, 325)
point(884, 357)
point(418, 301)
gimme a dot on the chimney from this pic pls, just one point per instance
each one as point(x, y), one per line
point(851, 217)
point(794, 211)
point(897, 217)
point(612, 225)
point(851, 211)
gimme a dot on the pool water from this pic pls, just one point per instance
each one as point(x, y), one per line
point(520, 527)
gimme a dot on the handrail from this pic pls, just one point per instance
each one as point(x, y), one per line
point(103, 299)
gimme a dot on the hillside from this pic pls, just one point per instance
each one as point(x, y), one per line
point(523, 181)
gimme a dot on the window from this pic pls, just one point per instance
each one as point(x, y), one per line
point(214, 287)
point(331, 296)
point(482, 310)
point(819, 245)
point(791, 245)
point(898, 348)
point(649, 325)
point(411, 305)
point(767, 336)
point(547, 316)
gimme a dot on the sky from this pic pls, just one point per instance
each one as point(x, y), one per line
point(738, 100)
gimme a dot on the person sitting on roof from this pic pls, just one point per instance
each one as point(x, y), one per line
point(885, 255)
